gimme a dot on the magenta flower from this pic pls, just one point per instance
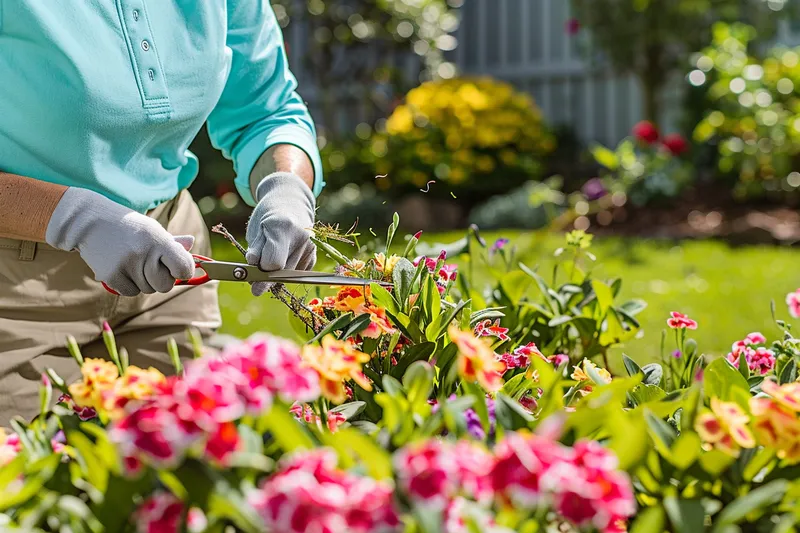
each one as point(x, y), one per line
point(594, 189)
point(160, 513)
point(759, 360)
point(681, 321)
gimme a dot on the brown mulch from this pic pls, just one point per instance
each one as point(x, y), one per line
point(707, 213)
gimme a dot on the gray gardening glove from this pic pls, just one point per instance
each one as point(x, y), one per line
point(128, 251)
point(279, 229)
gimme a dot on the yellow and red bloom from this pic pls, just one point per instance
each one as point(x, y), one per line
point(350, 299)
point(136, 384)
point(776, 427)
point(787, 395)
point(379, 323)
point(336, 361)
point(725, 427)
point(489, 329)
point(477, 361)
point(99, 376)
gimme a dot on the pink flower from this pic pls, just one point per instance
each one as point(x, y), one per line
point(309, 494)
point(196, 520)
point(558, 359)
point(84, 413)
point(160, 513)
point(487, 329)
point(793, 301)
point(150, 434)
point(756, 338)
point(427, 473)
point(681, 321)
point(305, 413)
point(463, 516)
point(760, 360)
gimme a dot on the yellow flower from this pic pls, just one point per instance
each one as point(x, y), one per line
point(476, 360)
point(401, 121)
point(336, 361)
point(581, 373)
point(387, 267)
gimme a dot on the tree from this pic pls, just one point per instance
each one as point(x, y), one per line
point(653, 39)
point(367, 44)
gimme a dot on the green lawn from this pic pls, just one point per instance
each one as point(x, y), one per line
point(727, 290)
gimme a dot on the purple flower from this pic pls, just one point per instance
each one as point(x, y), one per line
point(474, 426)
point(677, 354)
point(594, 189)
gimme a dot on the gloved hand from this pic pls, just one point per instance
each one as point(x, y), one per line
point(130, 252)
point(279, 229)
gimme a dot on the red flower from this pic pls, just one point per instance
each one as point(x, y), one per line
point(676, 144)
point(681, 321)
point(487, 329)
point(646, 132)
point(573, 26)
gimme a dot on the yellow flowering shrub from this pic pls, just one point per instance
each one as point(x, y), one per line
point(473, 136)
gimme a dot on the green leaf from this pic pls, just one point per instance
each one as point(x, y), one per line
point(332, 252)
point(391, 232)
point(758, 499)
point(337, 324)
point(744, 368)
point(285, 430)
point(377, 461)
point(687, 516)
point(630, 366)
point(720, 378)
point(418, 383)
point(491, 313)
point(715, 462)
point(651, 520)
point(788, 373)
point(359, 324)
point(384, 298)
point(653, 373)
point(634, 307)
point(95, 471)
point(685, 451)
point(544, 289)
point(349, 409)
point(629, 439)
point(663, 434)
point(403, 276)
point(604, 156)
point(510, 414)
point(515, 284)
point(642, 394)
point(417, 352)
point(605, 298)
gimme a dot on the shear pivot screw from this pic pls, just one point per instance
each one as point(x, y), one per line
point(239, 273)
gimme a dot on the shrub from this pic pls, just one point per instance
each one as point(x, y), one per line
point(416, 408)
point(754, 115)
point(644, 167)
point(475, 137)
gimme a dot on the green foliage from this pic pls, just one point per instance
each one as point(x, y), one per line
point(753, 117)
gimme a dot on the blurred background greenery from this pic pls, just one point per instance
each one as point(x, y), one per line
point(654, 123)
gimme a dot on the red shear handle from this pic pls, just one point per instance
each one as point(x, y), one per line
point(196, 280)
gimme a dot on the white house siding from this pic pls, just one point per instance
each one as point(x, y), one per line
point(525, 43)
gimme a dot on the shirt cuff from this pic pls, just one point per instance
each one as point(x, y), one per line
point(255, 148)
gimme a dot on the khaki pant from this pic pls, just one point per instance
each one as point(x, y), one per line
point(47, 294)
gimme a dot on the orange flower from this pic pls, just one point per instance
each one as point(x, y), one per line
point(379, 323)
point(336, 361)
point(477, 361)
point(350, 299)
point(725, 427)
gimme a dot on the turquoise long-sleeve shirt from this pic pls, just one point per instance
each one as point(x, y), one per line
point(107, 94)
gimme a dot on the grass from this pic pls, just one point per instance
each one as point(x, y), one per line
point(727, 290)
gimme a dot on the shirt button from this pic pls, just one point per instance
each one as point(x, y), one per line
point(145, 46)
point(135, 14)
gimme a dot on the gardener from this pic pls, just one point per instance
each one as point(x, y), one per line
point(99, 101)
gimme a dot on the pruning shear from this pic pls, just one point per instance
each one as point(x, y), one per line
point(224, 271)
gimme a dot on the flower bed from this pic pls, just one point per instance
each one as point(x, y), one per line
point(435, 406)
